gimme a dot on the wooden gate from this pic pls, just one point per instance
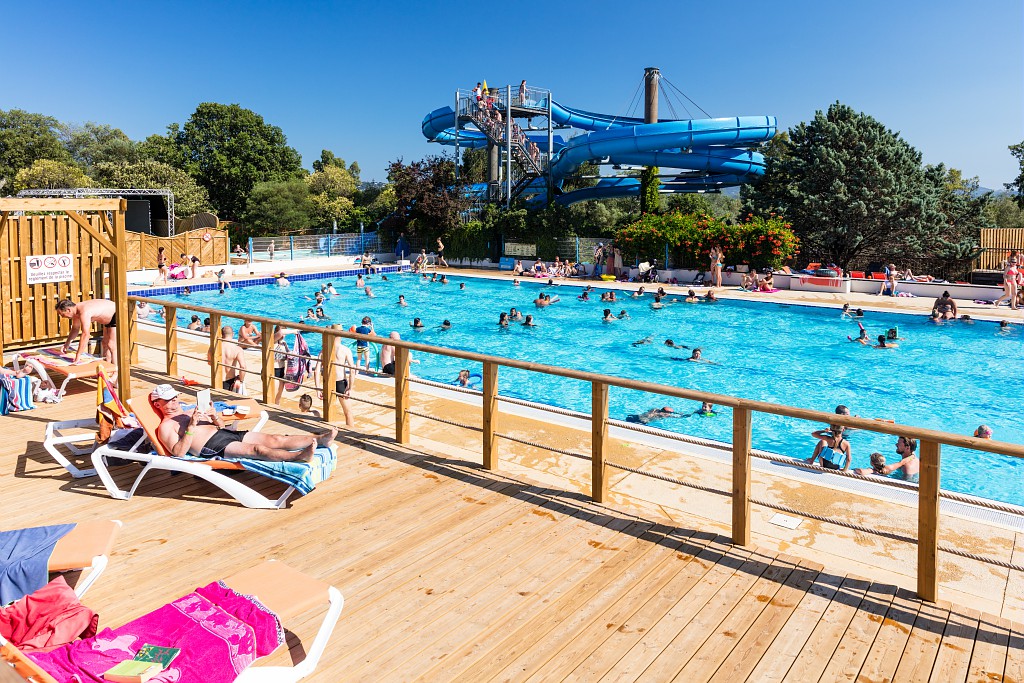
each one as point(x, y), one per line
point(29, 318)
point(997, 243)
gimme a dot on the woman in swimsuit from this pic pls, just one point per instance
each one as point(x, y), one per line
point(161, 265)
point(716, 256)
point(1010, 277)
point(832, 448)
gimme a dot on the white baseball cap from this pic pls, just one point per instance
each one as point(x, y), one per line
point(163, 391)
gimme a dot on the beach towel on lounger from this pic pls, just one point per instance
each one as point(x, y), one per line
point(24, 556)
point(220, 633)
point(50, 617)
point(304, 476)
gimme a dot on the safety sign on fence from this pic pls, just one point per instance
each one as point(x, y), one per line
point(55, 268)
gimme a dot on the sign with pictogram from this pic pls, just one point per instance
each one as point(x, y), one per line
point(53, 268)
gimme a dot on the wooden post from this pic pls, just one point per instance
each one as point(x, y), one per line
point(401, 394)
point(267, 355)
point(133, 334)
point(119, 294)
point(215, 351)
point(329, 374)
point(490, 408)
point(741, 441)
point(171, 339)
point(598, 440)
point(928, 523)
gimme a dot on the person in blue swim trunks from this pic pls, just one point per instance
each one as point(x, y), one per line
point(832, 448)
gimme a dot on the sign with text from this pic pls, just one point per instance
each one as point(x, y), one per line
point(520, 249)
point(55, 268)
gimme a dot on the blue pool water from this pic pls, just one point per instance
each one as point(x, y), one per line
point(951, 377)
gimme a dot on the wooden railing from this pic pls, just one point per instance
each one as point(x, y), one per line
point(931, 441)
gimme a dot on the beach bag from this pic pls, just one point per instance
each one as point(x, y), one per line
point(295, 369)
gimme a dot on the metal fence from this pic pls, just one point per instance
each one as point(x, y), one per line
point(291, 247)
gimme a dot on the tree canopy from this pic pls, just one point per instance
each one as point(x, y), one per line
point(95, 143)
point(1017, 186)
point(427, 198)
point(25, 138)
point(851, 187)
point(278, 207)
point(46, 174)
point(229, 150)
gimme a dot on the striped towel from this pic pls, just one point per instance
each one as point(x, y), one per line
point(304, 476)
point(15, 394)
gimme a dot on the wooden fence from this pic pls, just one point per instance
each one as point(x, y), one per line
point(997, 242)
point(931, 441)
point(28, 316)
point(142, 247)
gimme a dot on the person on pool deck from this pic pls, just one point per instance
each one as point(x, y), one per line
point(82, 315)
point(249, 335)
point(945, 306)
point(232, 360)
point(529, 322)
point(832, 448)
point(363, 346)
point(345, 373)
point(203, 434)
point(653, 414)
point(387, 356)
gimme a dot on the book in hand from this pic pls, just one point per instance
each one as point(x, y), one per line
point(158, 655)
point(133, 671)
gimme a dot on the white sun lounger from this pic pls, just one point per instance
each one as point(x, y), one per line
point(209, 470)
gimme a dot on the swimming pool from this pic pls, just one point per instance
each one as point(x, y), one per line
point(950, 377)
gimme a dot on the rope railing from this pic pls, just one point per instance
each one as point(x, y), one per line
point(743, 454)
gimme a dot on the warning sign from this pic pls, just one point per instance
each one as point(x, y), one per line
point(56, 268)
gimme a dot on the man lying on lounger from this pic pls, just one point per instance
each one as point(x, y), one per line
point(203, 435)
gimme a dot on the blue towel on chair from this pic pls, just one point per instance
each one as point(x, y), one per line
point(24, 557)
point(304, 476)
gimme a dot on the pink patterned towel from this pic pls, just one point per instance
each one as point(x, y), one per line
point(219, 631)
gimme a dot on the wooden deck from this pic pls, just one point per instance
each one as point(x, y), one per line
point(451, 572)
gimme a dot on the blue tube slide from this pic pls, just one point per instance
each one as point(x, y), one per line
point(710, 153)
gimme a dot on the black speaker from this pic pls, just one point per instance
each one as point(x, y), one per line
point(137, 217)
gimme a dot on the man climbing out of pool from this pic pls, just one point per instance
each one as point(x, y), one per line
point(832, 448)
point(945, 306)
point(82, 315)
point(203, 434)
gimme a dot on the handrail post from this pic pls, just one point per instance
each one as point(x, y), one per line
point(741, 442)
point(329, 374)
point(598, 441)
point(401, 394)
point(133, 333)
point(490, 406)
point(250, 251)
point(267, 356)
point(215, 350)
point(928, 522)
point(171, 340)
point(291, 247)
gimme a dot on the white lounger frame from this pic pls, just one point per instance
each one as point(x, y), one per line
point(290, 674)
point(242, 493)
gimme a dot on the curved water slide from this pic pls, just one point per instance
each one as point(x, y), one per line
point(710, 154)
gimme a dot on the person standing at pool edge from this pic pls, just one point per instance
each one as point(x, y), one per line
point(345, 375)
point(440, 253)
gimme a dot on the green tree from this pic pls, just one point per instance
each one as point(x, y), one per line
point(474, 166)
point(428, 200)
point(650, 184)
point(95, 143)
point(163, 148)
point(851, 187)
point(278, 207)
point(1017, 186)
point(189, 197)
point(963, 209)
point(328, 158)
point(25, 138)
point(764, 196)
point(688, 202)
point(331, 189)
point(1003, 212)
point(45, 174)
point(229, 150)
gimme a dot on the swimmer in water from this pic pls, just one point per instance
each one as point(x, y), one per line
point(462, 285)
point(503, 319)
point(515, 282)
point(657, 302)
point(859, 313)
point(331, 290)
point(653, 414)
point(360, 283)
point(696, 356)
point(320, 315)
point(1004, 327)
point(966, 319)
point(402, 301)
point(642, 342)
point(310, 315)
point(707, 409)
point(463, 378)
point(529, 322)
point(446, 325)
point(710, 296)
point(384, 278)
point(662, 292)
point(514, 314)
point(883, 345)
point(623, 314)
point(585, 296)
point(845, 313)
point(672, 345)
point(935, 318)
point(691, 297)
point(369, 293)
point(416, 324)
point(444, 279)
point(862, 339)
point(186, 292)
point(608, 317)
point(638, 293)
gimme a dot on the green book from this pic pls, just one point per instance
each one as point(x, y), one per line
point(159, 655)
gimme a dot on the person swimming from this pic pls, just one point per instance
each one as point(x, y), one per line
point(331, 290)
point(862, 339)
point(446, 325)
point(514, 314)
point(444, 279)
point(320, 315)
point(656, 304)
point(462, 285)
point(529, 322)
point(652, 414)
point(623, 314)
point(608, 317)
point(882, 344)
point(515, 282)
point(369, 292)
point(707, 409)
point(672, 345)
point(360, 282)
point(691, 297)
point(503, 319)
point(710, 296)
point(638, 293)
point(585, 296)
point(402, 301)
point(416, 324)
point(845, 313)
point(463, 379)
point(645, 340)
point(310, 315)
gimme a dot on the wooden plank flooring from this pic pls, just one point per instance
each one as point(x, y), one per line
point(453, 573)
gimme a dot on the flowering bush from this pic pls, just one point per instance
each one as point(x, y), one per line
point(757, 241)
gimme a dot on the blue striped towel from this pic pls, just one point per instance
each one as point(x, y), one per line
point(304, 476)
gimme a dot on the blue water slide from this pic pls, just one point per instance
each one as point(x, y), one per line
point(711, 154)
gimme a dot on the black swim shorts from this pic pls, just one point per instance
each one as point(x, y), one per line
point(113, 321)
point(220, 440)
point(341, 386)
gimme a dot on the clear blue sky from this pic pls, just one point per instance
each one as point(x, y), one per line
point(357, 78)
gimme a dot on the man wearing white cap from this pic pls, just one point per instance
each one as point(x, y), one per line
point(203, 434)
